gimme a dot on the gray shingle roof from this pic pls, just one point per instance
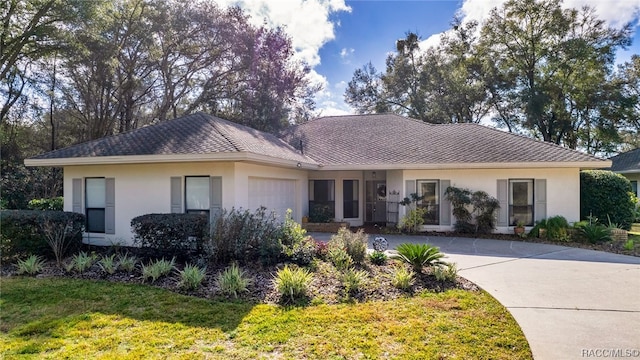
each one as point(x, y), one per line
point(392, 139)
point(194, 134)
point(626, 162)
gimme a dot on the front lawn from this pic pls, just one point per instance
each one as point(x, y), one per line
point(69, 318)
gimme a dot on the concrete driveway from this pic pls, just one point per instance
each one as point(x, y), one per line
point(570, 303)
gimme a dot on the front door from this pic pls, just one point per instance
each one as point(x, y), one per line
point(376, 201)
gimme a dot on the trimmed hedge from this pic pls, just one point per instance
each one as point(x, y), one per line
point(55, 204)
point(174, 234)
point(23, 234)
point(604, 193)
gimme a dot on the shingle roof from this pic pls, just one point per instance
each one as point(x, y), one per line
point(626, 162)
point(393, 139)
point(194, 134)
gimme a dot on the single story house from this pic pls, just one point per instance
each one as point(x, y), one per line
point(356, 167)
point(628, 165)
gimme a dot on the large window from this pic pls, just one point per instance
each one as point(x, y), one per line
point(197, 194)
point(322, 202)
point(431, 201)
point(95, 198)
point(521, 201)
point(351, 206)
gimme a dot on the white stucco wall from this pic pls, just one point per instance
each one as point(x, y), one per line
point(563, 186)
point(339, 176)
point(634, 177)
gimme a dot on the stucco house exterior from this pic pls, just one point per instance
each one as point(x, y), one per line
point(628, 165)
point(358, 167)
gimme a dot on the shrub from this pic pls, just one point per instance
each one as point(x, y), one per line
point(402, 278)
point(296, 245)
point(320, 214)
point(555, 228)
point(446, 272)
point(605, 193)
point(292, 283)
point(481, 219)
point(31, 265)
point(60, 236)
point(322, 249)
point(81, 262)
point(127, 262)
point(191, 277)
point(595, 233)
point(378, 258)
point(629, 245)
point(108, 264)
point(22, 231)
point(303, 252)
point(355, 244)
point(157, 269)
point(353, 280)
point(171, 234)
point(339, 258)
point(245, 235)
point(232, 281)
point(54, 204)
point(413, 220)
point(419, 255)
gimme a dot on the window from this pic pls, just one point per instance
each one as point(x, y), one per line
point(431, 202)
point(322, 199)
point(634, 187)
point(197, 194)
point(351, 206)
point(95, 198)
point(521, 201)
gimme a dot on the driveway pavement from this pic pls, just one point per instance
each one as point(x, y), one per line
point(570, 303)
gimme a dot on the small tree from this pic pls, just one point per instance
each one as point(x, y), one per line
point(414, 218)
point(481, 218)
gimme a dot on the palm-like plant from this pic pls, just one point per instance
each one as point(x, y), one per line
point(419, 255)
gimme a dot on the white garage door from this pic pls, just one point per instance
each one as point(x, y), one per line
point(276, 195)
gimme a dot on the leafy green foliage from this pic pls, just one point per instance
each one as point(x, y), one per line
point(446, 272)
point(320, 213)
point(292, 283)
point(24, 231)
point(232, 281)
point(245, 235)
point(378, 258)
point(108, 264)
point(605, 193)
point(479, 220)
point(595, 233)
point(412, 220)
point(171, 234)
point(31, 265)
point(355, 244)
point(554, 228)
point(81, 262)
point(127, 262)
point(296, 245)
point(402, 278)
point(629, 245)
point(353, 280)
point(339, 257)
point(419, 255)
point(53, 204)
point(191, 277)
point(157, 269)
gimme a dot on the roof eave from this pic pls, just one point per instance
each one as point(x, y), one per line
point(583, 165)
point(156, 159)
point(627, 171)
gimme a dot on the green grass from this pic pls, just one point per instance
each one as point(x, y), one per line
point(66, 318)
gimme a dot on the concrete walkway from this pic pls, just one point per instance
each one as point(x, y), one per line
point(570, 303)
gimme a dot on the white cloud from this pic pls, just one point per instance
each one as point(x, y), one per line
point(306, 21)
point(344, 53)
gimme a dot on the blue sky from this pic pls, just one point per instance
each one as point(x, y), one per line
point(335, 37)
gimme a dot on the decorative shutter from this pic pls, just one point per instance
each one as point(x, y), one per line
point(410, 188)
point(76, 195)
point(540, 199)
point(445, 205)
point(110, 206)
point(215, 194)
point(176, 195)
point(503, 199)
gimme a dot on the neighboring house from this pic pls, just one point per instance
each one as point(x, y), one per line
point(628, 164)
point(358, 167)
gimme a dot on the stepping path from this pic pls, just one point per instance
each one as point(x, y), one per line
point(570, 303)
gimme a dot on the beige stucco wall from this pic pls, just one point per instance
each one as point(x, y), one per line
point(563, 186)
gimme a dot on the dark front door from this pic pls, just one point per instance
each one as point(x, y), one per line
point(376, 201)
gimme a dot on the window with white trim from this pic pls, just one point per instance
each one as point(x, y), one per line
point(521, 201)
point(430, 189)
point(95, 204)
point(196, 194)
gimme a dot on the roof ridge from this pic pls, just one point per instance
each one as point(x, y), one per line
point(213, 121)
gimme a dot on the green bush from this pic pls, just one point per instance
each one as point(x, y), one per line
point(555, 228)
point(23, 232)
point(595, 233)
point(412, 220)
point(31, 265)
point(191, 277)
point(605, 193)
point(53, 204)
point(157, 269)
point(402, 278)
point(171, 234)
point(246, 236)
point(339, 257)
point(127, 262)
point(481, 218)
point(353, 281)
point(108, 264)
point(296, 245)
point(232, 281)
point(378, 258)
point(292, 283)
point(355, 244)
point(419, 255)
point(446, 272)
point(81, 262)
point(320, 213)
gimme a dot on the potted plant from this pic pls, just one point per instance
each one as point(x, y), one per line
point(519, 228)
